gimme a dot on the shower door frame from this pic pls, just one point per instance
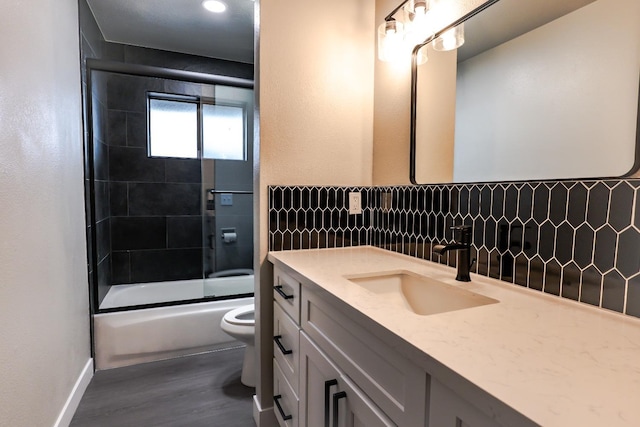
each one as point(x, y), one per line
point(143, 71)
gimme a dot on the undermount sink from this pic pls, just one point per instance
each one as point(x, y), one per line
point(419, 294)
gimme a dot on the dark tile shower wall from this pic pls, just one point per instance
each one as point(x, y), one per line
point(575, 239)
point(155, 203)
point(93, 45)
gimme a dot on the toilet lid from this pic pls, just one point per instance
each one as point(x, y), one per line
point(244, 315)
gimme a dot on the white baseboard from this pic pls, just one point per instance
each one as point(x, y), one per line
point(263, 417)
point(64, 419)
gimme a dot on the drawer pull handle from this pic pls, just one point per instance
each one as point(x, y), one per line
point(327, 396)
point(336, 397)
point(281, 292)
point(277, 339)
point(276, 399)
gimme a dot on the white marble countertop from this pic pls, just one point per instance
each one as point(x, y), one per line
point(555, 361)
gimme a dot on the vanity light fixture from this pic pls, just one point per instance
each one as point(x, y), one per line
point(396, 39)
point(214, 6)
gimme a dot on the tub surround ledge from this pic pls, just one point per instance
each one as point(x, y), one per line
point(531, 356)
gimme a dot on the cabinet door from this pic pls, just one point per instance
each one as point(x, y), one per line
point(447, 409)
point(328, 398)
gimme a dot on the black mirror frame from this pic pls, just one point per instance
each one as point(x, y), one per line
point(414, 98)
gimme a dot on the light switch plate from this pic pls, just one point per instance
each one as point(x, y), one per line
point(355, 203)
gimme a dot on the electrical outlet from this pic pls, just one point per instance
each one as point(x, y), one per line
point(355, 203)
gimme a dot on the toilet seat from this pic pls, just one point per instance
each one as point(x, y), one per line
point(241, 316)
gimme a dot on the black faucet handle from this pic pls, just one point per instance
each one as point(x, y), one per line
point(465, 233)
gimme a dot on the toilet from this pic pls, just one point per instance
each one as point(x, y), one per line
point(240, 324)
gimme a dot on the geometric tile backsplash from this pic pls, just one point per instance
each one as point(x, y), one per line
point(575, 239)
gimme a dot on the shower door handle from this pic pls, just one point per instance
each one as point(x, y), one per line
point(277, 339)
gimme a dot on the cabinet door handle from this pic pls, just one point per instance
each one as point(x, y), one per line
point(336, 397)
point(277, 339)
point(276, 399)
point(327, 396)
point(279, 290)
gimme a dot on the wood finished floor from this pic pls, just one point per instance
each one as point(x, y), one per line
point(192, 391)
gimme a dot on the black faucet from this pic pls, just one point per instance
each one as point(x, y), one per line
point(463, 247)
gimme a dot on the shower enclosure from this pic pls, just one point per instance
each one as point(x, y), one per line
point(170, 186)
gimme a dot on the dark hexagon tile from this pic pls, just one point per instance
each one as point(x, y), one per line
point(503, 240)
point(591, 286)
point(621, 206)
point(564, 243)
point(511, 202)
point(530, 240)
point(421, 199)
point(478, 232)
point(536, 274)
point(628, 259)
point(583, 246)
point(485, 201)
point(474, 201)
point(490, 233)
point(521, 270)
point(613, 290)
point(497, 204)
point(552, 275)
point(437, 199)
point(546, 244)
point(428, 198)
point(463, 206)
point(494, 264)
point(558, 204)
point(482, 263)
point(525, 202)
point(577, 210)
point(598, 205)
point(516, 231)
point(413, 205)
point(571, 281)
point(633, 297)
point(636, 219)
point(541, 203)
point(605, 249)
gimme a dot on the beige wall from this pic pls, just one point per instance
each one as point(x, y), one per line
point(392, 112)
point(315, 99)
point(44, 313)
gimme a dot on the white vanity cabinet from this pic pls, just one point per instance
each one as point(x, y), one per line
point(447, 409)
point(286, 348)
point(328, 397)
point(330, 371)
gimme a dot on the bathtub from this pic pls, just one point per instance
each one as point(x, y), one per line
point(177, 290)
point(135, 336)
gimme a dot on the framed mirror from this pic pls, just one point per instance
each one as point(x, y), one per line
point(540, 89)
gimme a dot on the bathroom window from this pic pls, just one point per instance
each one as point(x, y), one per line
point(192, 128)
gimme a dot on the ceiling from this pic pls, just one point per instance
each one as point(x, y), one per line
point(179, 26)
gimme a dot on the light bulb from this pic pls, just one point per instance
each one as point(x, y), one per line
point(451, 39)
point(214, 6)
point(391, 45)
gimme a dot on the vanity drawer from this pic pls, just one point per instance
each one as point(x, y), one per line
point(391, 381)
point(286, 346)
point(286, 292)
point(285, 401)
